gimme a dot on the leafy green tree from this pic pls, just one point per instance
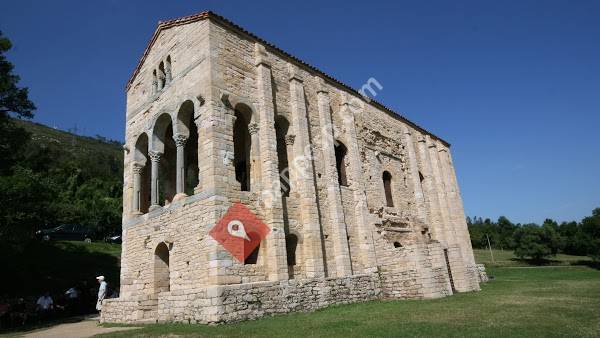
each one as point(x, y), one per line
point(591, 228)
point(535, 242)
point(13, 101)
point(25, 200)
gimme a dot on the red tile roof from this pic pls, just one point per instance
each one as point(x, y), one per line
point(225, 22)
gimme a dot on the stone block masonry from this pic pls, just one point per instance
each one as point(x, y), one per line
point(362, 204)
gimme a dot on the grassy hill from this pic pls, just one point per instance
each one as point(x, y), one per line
point(108, 153)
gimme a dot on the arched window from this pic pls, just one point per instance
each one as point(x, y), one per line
point(161, 75)
point(281, 130)
point(168, 75)
point(141, 198)
point(187, 127)
point(162, 278)
point(167, 172)
point(340, 162)
point(242, 144)
point(154, 82)
point(387, 186)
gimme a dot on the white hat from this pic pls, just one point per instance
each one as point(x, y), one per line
point(100, 278)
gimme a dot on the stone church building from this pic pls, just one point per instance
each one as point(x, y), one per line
point(362, 204)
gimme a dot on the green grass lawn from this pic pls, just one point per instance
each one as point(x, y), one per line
point(519, 302)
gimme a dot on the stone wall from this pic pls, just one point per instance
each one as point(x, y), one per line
point(352, 246)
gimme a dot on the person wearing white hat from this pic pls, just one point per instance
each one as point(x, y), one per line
point(101, 292)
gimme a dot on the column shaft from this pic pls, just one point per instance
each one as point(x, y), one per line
point(270, 184)
point(335, 211)
point(303, 166)
point(361, 211)
point(438, 182)
point(430, 193)
point(414, 174)
point(137, 188)
point(180, 141)
point(155, 161)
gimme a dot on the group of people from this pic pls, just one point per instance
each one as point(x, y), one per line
point(77, 300)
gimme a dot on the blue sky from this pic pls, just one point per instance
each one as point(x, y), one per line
point(513, 85)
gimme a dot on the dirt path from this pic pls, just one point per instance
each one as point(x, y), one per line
point(86, 328)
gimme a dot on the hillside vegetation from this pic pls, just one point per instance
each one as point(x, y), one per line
point(60, 178)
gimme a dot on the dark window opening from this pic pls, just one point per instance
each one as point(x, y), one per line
point(291, 243)
point(340, 163)
point(241, 150)
point(281, 131)
point(387, 186)
point(253, 256)
point(397, 245)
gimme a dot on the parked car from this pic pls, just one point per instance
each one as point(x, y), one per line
point(72, 232)
point(115, 239)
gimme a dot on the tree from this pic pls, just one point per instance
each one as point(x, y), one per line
point(535, 242)
point(590, 226)
point(13, 101)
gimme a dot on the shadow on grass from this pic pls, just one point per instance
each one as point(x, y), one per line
point(556, 262)
point(41, 325)
point(591, 264)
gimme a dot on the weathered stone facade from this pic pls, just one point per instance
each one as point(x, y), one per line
point(362, 203)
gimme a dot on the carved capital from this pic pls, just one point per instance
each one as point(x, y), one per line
point(321, 88)
point(137, 167)
point(154, 155)
point(180, 140)
point(289, 139)
point(253, 128)
point(260, 55)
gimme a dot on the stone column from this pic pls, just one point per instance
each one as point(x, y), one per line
point(440, 189)
point(304, 174)
point(155, 161)
point(255, 165)
point(180, 141)
point(201, 142)
point(335, 211)
point(270, 184)
point(290, 139)
point(137, 187)
point(430, 193)
point(361, 211)
point(414, 174)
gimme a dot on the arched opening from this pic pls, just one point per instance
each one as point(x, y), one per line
point(168, 75)
point(162, 277)
point(252, 258)
point(141, 198)
point(281, 130)
point(187, 127)
point(242, 144)
point(291, 244)
point(340, 163)
point(164, 143)
point(161, 75)
point(387, 186)
point(397, 245)
point(154, 82)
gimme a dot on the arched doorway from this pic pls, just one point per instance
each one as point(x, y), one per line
point(162, 276)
